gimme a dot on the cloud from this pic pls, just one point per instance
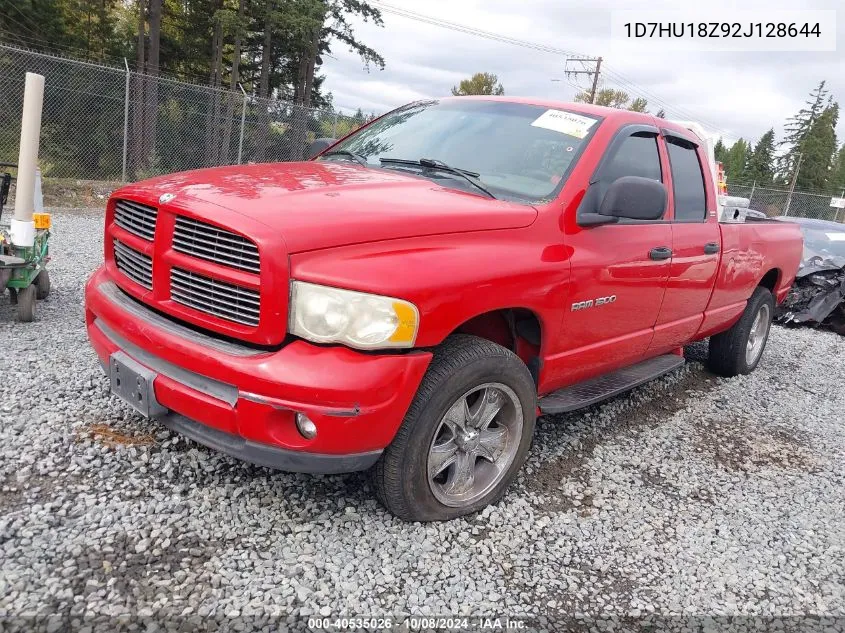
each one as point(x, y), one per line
point(735, 94)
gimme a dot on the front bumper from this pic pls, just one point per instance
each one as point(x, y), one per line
point(243, 401)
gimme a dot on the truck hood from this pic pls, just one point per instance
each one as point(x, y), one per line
point(316, 205)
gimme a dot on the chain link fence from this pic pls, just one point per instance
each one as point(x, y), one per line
point(774, 202)
point(102, 123)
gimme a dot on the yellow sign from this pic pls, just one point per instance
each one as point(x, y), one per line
point(42, 220)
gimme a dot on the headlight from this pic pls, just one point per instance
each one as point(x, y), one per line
point(330, 315)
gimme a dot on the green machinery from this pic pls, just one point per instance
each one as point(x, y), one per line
point(24, 249)
point(23, 268)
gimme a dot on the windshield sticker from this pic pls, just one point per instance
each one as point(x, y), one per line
point(565, 123)
point(836, 237)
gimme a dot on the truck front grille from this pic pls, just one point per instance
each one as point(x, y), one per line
point(135, 265)
point(213, 244)
point(212, 296)
point(138, 219)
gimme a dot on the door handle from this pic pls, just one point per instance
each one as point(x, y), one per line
point(711, 248)
point(660, 252)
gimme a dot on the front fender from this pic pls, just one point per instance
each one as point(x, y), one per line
point(451, 278)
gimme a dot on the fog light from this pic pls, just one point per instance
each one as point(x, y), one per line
point(306, 427)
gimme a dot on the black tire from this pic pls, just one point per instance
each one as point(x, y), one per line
point(42, 284)
point(13, 296)
point(26, 304)
point(729, 350)
point(460, 364)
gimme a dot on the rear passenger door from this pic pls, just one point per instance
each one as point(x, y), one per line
point(695, 244)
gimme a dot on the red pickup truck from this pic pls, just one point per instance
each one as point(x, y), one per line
point(413, 298)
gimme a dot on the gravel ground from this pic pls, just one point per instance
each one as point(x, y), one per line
point(691, 496)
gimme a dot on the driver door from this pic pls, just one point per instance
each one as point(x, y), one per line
point(619, 272)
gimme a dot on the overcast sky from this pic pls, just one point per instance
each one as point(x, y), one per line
point(738, 94)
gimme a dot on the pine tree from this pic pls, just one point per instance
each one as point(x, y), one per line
point(837, 174)
point(736, 161)
point(761, 168)
point(720, 152)
point(797, 128)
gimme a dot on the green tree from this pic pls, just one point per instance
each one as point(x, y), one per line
point(720, 152)
point(797, 128)
point(638, 105)
point(761, 167)
point(88, 29)
point(837, 174)
point(661, 114)
point(479, 84)
point(818, 150)
point(614, 98)
point(608, 97)
point(737, 161)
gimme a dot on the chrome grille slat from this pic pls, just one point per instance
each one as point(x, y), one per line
point(212, 296)
point(215, 244)
point(138, 219)
point(209, 284)
point(216, 296)
point(128, 225)
point(222, 311)
point(137, 266)
point(211, 245)
point(135, 270)
point(246, 263)
point(148, 217)
point(134, 218)
point(198, 227)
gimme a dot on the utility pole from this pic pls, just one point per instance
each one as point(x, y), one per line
point(585, 71)
point(792, 185)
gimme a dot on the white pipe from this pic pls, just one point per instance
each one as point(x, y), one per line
point(22, 230)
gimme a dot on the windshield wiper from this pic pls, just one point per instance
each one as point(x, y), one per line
point(432, 163)
point(362, 160)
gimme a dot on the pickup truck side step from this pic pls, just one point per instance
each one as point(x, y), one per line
point(603, 387)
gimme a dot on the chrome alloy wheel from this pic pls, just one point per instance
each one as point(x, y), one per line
point(474, 444)
point(757, 335)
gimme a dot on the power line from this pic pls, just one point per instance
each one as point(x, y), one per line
point(595, 72)
point(461, 28)
point(653, 98)
point(20, 26)
point(25, 17)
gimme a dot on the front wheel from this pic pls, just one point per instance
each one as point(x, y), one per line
point(465, 436)
point(739, 349)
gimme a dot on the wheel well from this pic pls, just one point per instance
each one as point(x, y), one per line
point(518, 329)
point(770, 280)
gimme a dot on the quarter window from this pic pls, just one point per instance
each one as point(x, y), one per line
point(687, 181)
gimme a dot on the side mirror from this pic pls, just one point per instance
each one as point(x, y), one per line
point(318, 146)
point(634, 198)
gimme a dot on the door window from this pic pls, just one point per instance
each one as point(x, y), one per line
point(687, 181)
point(636, 156)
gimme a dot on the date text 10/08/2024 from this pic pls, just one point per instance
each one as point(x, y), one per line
point(420, 623)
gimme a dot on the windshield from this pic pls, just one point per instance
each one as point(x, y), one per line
point(824, 242)
point(519, 152)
